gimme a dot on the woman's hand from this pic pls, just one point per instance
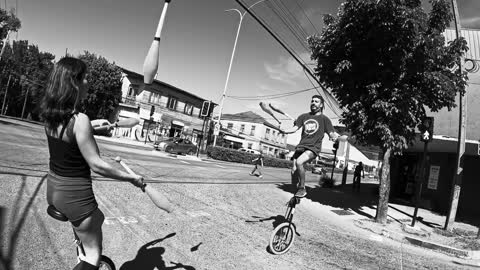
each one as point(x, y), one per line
point(137, 181)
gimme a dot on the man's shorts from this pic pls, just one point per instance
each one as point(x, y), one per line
point(299, 151)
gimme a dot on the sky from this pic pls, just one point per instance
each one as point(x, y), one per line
point(196, 43)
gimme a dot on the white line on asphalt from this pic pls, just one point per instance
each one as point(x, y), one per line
point(219, 166)
point(184, 162)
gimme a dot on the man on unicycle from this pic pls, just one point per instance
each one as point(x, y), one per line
point(314, 125)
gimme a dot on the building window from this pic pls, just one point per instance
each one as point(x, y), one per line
point(267, 134)
point(172, 103)
point(188, 109)
point(146, 96)
point(154, 98)
point(250, 145)
point(229, 126)
point(131, 92)
point(252, 131)
point(242, 128)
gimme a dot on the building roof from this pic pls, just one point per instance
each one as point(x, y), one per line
point(249, 117)
point(137, 79)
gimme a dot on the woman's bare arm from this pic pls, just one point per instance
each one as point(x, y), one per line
point(83, 132)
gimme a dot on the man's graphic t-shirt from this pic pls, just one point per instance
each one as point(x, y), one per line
point(314, 128)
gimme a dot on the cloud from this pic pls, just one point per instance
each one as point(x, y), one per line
point(286, 70)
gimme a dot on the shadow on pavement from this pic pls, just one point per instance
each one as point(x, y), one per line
point(277, 220)
point(6, 256)
point(150, 258)
point(342, 197)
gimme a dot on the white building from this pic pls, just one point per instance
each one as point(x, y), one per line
point(251, 131)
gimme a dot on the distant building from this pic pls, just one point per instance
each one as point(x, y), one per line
point(251, 131)
point(175, 112)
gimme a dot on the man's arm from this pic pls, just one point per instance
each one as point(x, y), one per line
point(290, 130)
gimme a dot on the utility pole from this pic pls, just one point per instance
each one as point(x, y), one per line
point(24, 103)
point(457, 180)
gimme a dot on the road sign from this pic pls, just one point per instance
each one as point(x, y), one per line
point(216, 129)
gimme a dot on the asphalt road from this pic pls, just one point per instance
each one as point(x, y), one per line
point(223, 217)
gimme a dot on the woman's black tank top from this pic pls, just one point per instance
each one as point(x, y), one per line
point(65, 157)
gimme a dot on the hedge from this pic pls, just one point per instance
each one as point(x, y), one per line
point(232, 155)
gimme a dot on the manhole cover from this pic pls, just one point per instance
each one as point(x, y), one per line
point(342, 212)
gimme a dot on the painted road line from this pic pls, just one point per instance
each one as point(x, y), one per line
point(219, 166)
point(184, 162)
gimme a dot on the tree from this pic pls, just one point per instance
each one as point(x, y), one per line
point(8, 23)
point(386, 62)
point(104, 89)
point(28, 70)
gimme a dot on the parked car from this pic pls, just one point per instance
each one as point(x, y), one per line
point(101, 123)
point(317, 169)
point(176, 145)
point(251, 151)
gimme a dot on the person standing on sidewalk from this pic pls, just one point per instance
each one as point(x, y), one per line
point(73, 154)
point(314, 126)
point(359, 172)
point(258, 164)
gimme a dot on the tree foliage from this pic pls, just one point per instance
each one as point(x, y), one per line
point(28, 69)
point(385, 62)
point(104, 90)
point(8, 22)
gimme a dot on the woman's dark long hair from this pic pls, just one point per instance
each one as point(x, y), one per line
point(60, 100)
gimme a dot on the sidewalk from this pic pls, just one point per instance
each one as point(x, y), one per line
point(359, 208)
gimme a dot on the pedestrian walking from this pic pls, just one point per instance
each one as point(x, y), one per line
point(357, 175)
point(258, 165)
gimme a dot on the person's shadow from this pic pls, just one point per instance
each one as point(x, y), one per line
point(150, 258)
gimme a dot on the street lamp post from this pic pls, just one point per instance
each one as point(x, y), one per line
point(217, 122)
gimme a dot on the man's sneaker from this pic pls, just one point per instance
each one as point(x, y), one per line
point(251, 174)
point(301, 192)
point(260, 176)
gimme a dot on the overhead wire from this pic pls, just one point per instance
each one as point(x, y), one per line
point(273, 96)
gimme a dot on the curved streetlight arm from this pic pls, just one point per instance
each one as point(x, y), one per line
point(230, 65)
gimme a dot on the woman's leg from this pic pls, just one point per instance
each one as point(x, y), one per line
point(90, 233)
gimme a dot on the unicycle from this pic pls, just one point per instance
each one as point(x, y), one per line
point(105, 262)
point(282, 237)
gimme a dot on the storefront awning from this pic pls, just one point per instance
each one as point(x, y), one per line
point(177, 123)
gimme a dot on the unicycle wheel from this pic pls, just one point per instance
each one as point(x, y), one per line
point(282, 238)
point(106, 263)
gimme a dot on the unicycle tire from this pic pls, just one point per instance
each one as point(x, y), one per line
point(282, 238)
point(106, 263)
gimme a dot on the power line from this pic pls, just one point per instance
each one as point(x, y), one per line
point(271, 96)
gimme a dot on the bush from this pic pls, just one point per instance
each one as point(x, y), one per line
point(232, 155)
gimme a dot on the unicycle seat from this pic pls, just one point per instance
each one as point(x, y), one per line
point(54, 213)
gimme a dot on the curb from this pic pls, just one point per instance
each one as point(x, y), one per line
point(461, 253)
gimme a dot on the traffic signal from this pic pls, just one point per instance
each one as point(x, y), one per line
point(152, 110)
point(426, 129)
point(205, 109)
